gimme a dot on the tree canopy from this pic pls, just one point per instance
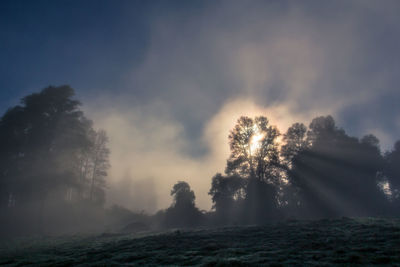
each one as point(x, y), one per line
point(253, 171)
point(183, 211)
point(315, 171)
point(254, 149)
point(336, 174)
point(48, 147)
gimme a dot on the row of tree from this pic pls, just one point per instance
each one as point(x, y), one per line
point(52, 157)
point(313, 172)
point(308, 172)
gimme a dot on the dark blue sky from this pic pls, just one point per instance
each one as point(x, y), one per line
point(87, 44)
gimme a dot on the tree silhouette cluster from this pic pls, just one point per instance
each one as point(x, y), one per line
point(53, 169)
point(50, 156)
point(314, 172)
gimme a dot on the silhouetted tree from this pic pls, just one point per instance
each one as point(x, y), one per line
point(337, 174)
point(183, 211)
point(392, 172)
point(93, 163)
point(47, 132)
point(294, 141)
point(183, 195)
point(42, 143)
point(255, 160)
point(254, 150)
point(227, 193)
point(98, 163)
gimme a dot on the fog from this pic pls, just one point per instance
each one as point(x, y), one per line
point(168, 83)
point(149, 152)
point(204, 69)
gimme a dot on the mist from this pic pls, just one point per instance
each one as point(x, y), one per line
point(166, 85)
point(201, 71)
point(150, 151)
point(207, 133)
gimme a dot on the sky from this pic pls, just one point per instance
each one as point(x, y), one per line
point(168, 79)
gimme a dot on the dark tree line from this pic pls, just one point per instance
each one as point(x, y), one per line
point(308, 172)
point(50, 153)
point(53, 162)
point(316, 172)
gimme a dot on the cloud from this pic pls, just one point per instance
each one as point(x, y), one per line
point(148, 151)
point(310, 57)
point(290, 61)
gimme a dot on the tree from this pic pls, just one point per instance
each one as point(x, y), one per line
point(337, 174)
point(43, 141)
point(295, 140)
point(183, 195)
point(255, 159)
point(227, 193)
point(93, 164)
point(254, 150)
point(100, 165)
point(183, 211)
point(392, 172)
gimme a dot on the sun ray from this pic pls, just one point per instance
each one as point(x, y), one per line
point(255, 142)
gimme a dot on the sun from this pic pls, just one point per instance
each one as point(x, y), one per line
point(255, 142)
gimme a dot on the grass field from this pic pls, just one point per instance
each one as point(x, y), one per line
point(364, 241)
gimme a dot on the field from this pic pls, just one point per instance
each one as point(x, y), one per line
point(364, 241)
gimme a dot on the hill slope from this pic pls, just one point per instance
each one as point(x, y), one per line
point(354, 241)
